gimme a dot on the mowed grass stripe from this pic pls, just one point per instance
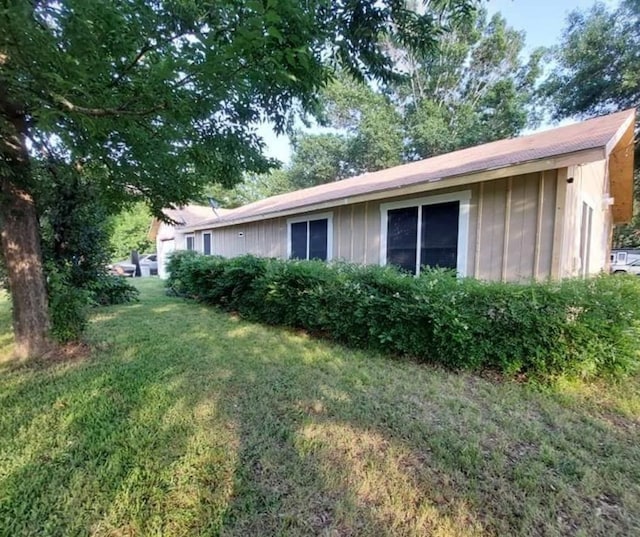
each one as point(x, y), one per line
point(186, 421)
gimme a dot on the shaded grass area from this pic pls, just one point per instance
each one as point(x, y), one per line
point(185, 421)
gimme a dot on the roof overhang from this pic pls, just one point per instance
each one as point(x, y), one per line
point(620, 152)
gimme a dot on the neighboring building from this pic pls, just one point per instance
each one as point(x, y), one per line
point(167, 236)
point(539, 206)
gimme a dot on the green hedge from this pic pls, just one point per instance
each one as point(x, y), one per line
point(575, 327)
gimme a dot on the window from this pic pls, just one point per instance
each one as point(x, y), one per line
point(206, 243)
point(426, 232)
point(190, 242)
point(310, 237)
point(621, 257)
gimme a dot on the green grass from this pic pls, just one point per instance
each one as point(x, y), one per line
point(185, 421)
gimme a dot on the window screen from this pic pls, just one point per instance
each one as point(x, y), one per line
point(439, 246)
point(299, 240)
point(402, 238)
point(190, 243)
point(318, 231)
point(206, 244)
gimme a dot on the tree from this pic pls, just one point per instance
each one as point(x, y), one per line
point(368, 135)
point(318, 159)
point(598, 71)
point(597, 63)
point(162, 96)
point(130, 228)
point(475, 90)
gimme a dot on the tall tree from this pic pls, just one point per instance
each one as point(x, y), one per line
point(597, 62)
point(475, 90)
point(162, 94)
point(598, 71)
point(318, 159)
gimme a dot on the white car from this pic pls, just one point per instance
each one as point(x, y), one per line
point(627, 268)
point(127, 268)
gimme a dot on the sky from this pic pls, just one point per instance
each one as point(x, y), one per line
point(541, 20)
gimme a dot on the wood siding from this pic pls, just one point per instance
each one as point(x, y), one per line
point(520, 228)
point(587, 184)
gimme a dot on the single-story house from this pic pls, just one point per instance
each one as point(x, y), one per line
point(164, 234)
point(538, 206)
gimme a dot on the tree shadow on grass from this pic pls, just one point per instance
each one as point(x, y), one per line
point(197, 423)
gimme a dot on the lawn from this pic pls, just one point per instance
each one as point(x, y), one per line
point(186, 421)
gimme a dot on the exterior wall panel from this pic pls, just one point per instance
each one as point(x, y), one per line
point(491, 234)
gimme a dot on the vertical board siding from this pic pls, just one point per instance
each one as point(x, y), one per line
point(549, 188)
point(514, 221)
point(521, 230)
point(492, 233)
point(358, 225)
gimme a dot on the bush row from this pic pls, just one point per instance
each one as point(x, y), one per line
point(575, 327)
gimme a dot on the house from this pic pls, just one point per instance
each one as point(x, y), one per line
point(538, 206)
point(167, 236)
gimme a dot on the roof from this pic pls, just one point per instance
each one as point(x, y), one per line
point(187, 215)
point(190, 214)
point(577, 139)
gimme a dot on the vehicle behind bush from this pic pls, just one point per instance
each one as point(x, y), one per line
point(584, 327)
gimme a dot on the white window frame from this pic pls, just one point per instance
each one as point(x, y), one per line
point(187, 237)
point(210, 242)
point(463, 197)
point(310, 218)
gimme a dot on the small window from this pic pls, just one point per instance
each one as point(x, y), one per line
point(206, 243)
point(621, 257)
point(190, 242)
point(310, 239)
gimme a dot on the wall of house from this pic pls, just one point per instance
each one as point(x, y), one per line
point(164, 247)
point(590, 186)
point(520, 228)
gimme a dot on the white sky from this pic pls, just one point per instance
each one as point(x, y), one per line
point(541, 20)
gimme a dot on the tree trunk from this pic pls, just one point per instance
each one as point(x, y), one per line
point(20, 239)
point(23, 260)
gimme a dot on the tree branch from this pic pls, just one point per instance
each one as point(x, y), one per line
point(146, 48)
point(67, 105)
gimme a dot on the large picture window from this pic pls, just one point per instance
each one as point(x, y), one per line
point(426, 232)
point(310, 238)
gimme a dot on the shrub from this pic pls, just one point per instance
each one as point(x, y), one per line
point(68, 305)
point(107, 290)
point(574, 327)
